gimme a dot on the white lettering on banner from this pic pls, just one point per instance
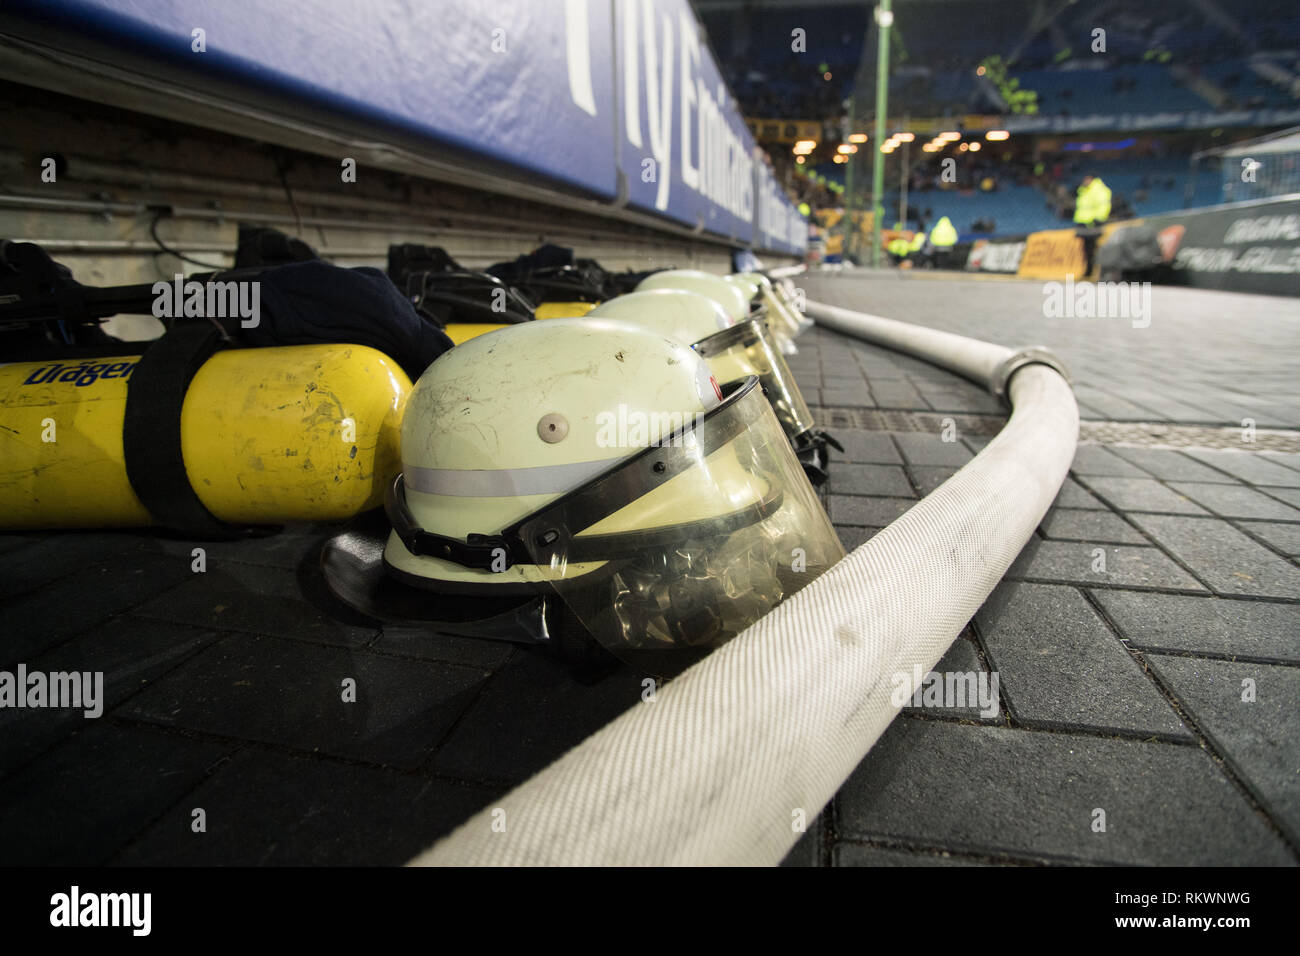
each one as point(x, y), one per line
point(1002, 256)
point(578, 51)
point(690, 57)
point(715, 161)
point(1257, 259)
point(659, 103)
point(1263, 229)
point(631, 87)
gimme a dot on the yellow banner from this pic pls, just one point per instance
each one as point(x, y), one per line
point(1052, 255)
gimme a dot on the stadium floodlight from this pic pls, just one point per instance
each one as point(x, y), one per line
point(964, 146)
point(905, 137)
point(846, 148)
point(858, 138)
point(995, 135)
point(841, 158)
point(799, 159)
point(974, 147)
point(949, 136)
point(805, 145)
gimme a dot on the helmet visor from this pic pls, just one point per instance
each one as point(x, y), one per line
point(689, 542)
point(748, 349)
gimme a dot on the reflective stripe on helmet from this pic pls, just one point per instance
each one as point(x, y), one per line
point(504, 482)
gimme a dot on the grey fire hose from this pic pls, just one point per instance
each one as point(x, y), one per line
point(729, 759)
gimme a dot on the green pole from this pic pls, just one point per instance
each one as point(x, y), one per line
point(884, 19)
point(849, 231)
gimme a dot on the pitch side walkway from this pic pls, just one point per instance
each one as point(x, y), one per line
point(1160, 593)
point(1147, 641)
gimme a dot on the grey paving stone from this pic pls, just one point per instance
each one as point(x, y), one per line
point(852, 537)
point(1290, 495)
point(128, 651)
point(1223, 557)
point(291, 694)
point(1236, 501)
point(531, 712)
point(878, 370)
point(46, 559)
point(923, 449)
point(864, 446)
point(1249, 466)
point(1170, 465)
point(264, 808)
point(1143, 494)
point(858, 397)
point(235, 596)
point(1284, 537)
point(79, 803)
point(429, 644)
point(867, 512)
point(859, 854)
point(967, 401)
point(985, 789)
point(1288, 459)
point(12, 541)
point(79, 602)
point(929, 477)
point(1258, 738)
point(848, 379)
point(852, 479)
point(967, 701)
point(1100, 461)
point(1126, 565)
point(1114, 408)
point(290, 547)
point(1205, 625)
point(896, 395)
point(842, 369)
point(1060, 666)
point(1080, 524)
point(1072, 495)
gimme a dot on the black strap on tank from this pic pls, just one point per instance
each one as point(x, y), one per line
point(151, 430)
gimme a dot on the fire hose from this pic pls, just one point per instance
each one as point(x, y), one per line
point(726, 760)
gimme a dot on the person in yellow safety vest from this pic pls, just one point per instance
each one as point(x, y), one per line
point(918, 242)
point(1091, 208)
point(898, 248)
point(1092, 202)
point(942, 238)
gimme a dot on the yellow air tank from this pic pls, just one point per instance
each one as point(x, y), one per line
point(563, 310)
point(460, 332)
point(267, 435)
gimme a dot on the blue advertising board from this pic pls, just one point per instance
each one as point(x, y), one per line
point(620, 99)
point(521, 81)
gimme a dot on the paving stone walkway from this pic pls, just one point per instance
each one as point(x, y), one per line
point(1146, 646)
